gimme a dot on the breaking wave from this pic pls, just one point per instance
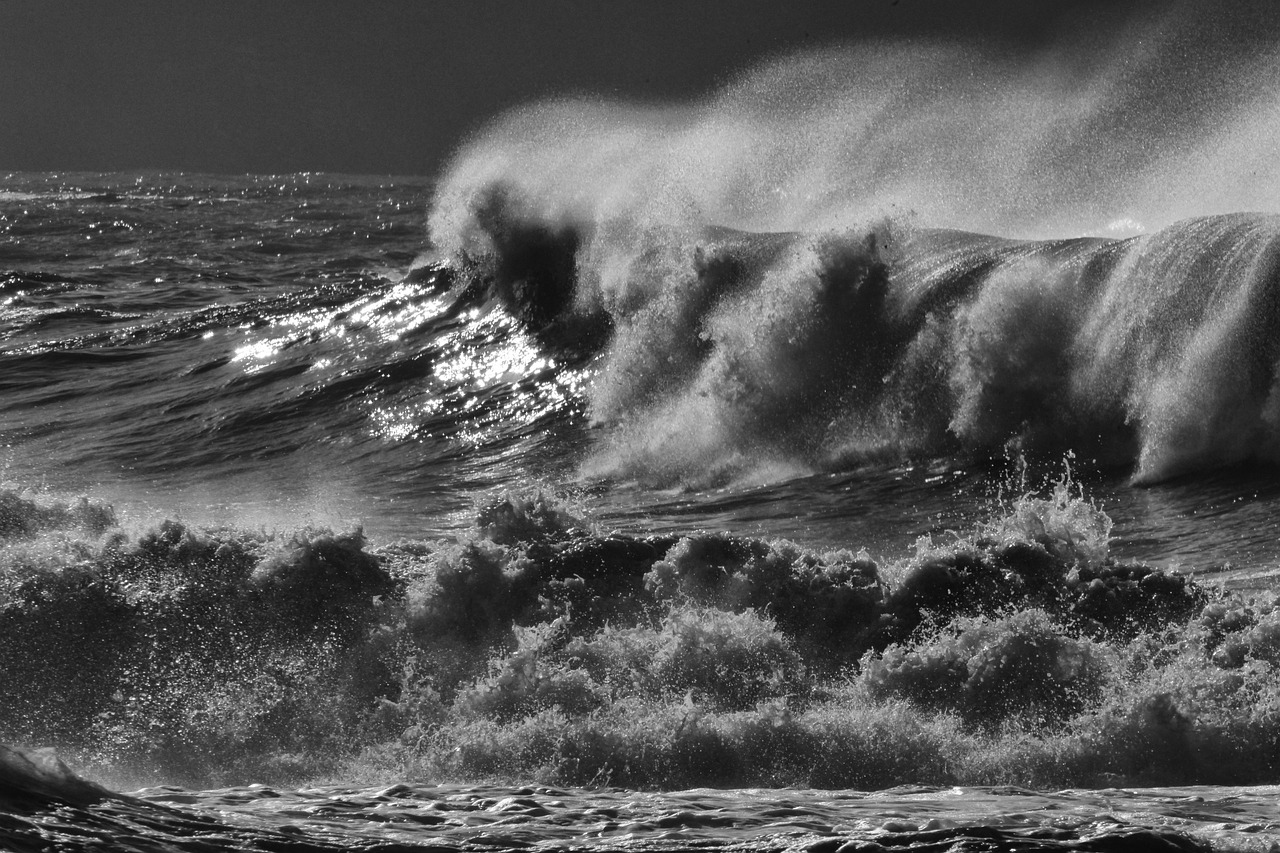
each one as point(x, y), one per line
point(797, 353)
point(1021, 653)
point(776, 284)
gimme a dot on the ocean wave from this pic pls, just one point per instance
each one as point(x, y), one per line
point(535, 648)
point(861, 330)
point(732, 355)
point(32, 779)
point(774, 284)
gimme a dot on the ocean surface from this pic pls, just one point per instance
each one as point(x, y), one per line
point(644, 481)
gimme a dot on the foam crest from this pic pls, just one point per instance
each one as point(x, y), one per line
point(767, 278)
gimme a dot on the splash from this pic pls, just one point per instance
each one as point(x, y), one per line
point(771, 355)
point(540, 650)
point(776, 282)
point(1154, 124)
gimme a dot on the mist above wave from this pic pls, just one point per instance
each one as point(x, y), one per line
point(1167, 119)
point(766, 277)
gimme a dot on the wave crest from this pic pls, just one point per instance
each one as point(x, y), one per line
point(770, 280)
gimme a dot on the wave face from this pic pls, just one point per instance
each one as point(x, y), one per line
point(750, 354)
point(781, 287)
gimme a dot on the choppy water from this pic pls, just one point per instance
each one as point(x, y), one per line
point(451, 817)
point(626, 453)
point(256, 351)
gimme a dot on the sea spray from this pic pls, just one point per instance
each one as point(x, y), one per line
point(765, 356)
point(1054, 143)
point(772, 284)
point(543, 650)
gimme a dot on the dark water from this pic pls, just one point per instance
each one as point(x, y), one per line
point(715, 450)
point(414, 817)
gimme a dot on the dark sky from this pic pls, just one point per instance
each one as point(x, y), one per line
point(392, 87)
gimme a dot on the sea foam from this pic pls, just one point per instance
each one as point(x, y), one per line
point(539, 648)
point(775, 284)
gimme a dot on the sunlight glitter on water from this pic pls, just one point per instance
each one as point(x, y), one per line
point(490, 351)
point(396, 313)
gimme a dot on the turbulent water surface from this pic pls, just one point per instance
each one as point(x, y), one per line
point(456, 818)
point(762, 452)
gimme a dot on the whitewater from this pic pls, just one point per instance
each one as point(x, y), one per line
point(878, 453)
